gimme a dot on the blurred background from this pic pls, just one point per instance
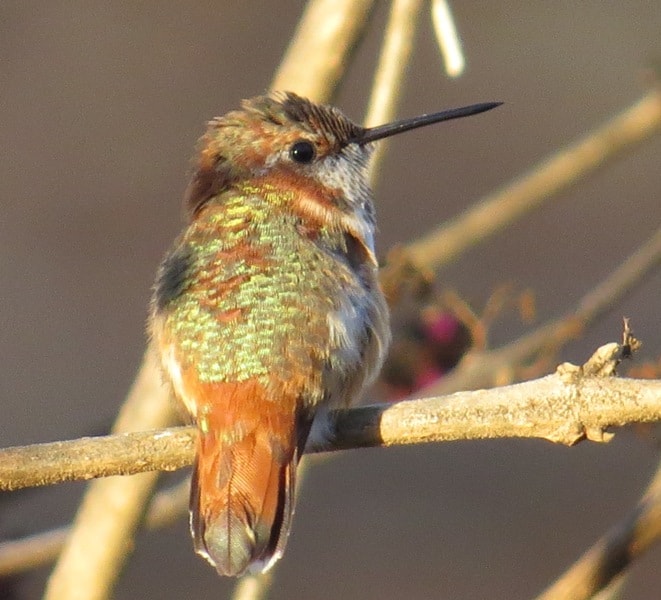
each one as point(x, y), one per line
point(100, 108)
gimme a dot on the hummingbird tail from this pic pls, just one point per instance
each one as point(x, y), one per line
point(242, 499)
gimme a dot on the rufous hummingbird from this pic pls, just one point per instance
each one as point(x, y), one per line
point(268, 308)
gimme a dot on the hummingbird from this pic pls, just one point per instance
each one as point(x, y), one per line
point(267, 310)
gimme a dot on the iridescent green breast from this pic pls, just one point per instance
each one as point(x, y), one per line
point(246, 296)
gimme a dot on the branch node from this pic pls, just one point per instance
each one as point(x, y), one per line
point(629, 343)
point(576, 432)
point(569, 373)
point(595, 433)
point(604, 361)
point(570, 434)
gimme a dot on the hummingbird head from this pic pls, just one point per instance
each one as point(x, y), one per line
point(281, 136)
point(297, 144)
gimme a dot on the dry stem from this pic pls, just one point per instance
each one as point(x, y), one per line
point(481, 369)
point(393, 60)
point(41, 548)
point(111, 510)
point(449, 42)
point(555, 174)
point(319, 52)
point(614, 552)
point(623, 132)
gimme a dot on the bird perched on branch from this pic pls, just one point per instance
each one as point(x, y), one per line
point(268, 309)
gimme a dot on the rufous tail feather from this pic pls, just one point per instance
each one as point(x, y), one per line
point(242, 498)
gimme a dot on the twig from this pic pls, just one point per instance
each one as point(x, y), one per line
point(319, 52)
point(42, 548)
point(448, 39)
point(614, 552)
point(388, 80)
point(572, 404)
point(481, 369)
point(555, 174)
point(168, 505)
point(613, 591)
point(253, 587)
point(89, 457)
point(31, 552)
point(65, 461)
point(557, 407)
point(630, 272)
point(111, 509)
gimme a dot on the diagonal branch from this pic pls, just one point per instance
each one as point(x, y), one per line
point(319, 52)
point(481, 369)
point(97, 547)
point(394, 59)
point(615, 550)
point(253, 587)
point(33, 551)
point(447, 37)
point(552, 176)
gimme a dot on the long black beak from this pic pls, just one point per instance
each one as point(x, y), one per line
point(372, 134)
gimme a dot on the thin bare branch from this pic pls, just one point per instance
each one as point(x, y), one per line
point(253, 587)
point(319, 52)
point(624, 132)
point(552, 408)
point(448, 38)
point(66, 461)
point(168, 505)
point(614, 552)
point(17, 556)
point(90, 457)
point(555, 174)
point(33, 551)
point(622, 280)
point(388, 79)
point(483, 369)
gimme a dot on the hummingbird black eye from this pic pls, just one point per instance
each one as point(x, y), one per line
point(302, 152)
